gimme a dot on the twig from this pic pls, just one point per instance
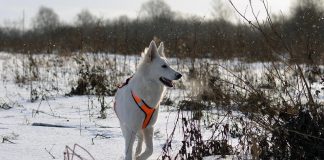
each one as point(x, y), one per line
point(167, 144)
point(68, 149)
point(101, 126)
point(49, 152)
point(34, 112)
point(99, 135)
point(4, 139)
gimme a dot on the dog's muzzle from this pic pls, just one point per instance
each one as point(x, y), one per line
point(166, 82)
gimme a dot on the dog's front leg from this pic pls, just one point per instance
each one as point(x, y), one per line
point(129, 137)
point(139, 143)
point(148, 138)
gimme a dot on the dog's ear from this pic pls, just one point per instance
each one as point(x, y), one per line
point(151, 52)
point(161, 49)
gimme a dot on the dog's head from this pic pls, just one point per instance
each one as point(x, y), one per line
point(157, 66)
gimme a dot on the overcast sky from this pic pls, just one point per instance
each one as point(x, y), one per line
point(12, 10)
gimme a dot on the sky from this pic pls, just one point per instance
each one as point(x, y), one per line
point(11, 11)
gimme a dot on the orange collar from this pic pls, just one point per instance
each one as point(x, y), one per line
point(148, 111)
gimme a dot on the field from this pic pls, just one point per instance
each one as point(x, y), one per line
point(49, 102)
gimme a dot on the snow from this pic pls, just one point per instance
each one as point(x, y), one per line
point(78, 115)
point(31, 141)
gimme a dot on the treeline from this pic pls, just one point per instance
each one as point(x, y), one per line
point(302, 32)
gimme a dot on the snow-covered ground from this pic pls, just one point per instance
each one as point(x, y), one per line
point(75, 119)
point(30, 142)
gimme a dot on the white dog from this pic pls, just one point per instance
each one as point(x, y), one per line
point(137, 101)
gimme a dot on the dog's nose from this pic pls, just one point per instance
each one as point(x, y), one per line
point(178, 76)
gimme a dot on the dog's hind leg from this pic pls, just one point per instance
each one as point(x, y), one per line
point(129, 137)
point(148, 138)
point(139, 143)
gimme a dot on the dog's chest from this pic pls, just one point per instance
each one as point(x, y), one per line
point(152, 93)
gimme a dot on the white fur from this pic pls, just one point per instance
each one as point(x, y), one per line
point(146, 84)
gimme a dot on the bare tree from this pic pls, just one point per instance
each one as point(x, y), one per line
point(46, 19)
point(154, 9)
point(46, 22)
point(85, 18)
point(221, 9)
point(304, 30)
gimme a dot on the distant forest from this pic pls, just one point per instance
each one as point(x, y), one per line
point(195, 37)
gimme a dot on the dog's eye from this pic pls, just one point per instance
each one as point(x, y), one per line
point(164, 66)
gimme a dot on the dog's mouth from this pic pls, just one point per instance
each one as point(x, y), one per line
point(166, 82)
